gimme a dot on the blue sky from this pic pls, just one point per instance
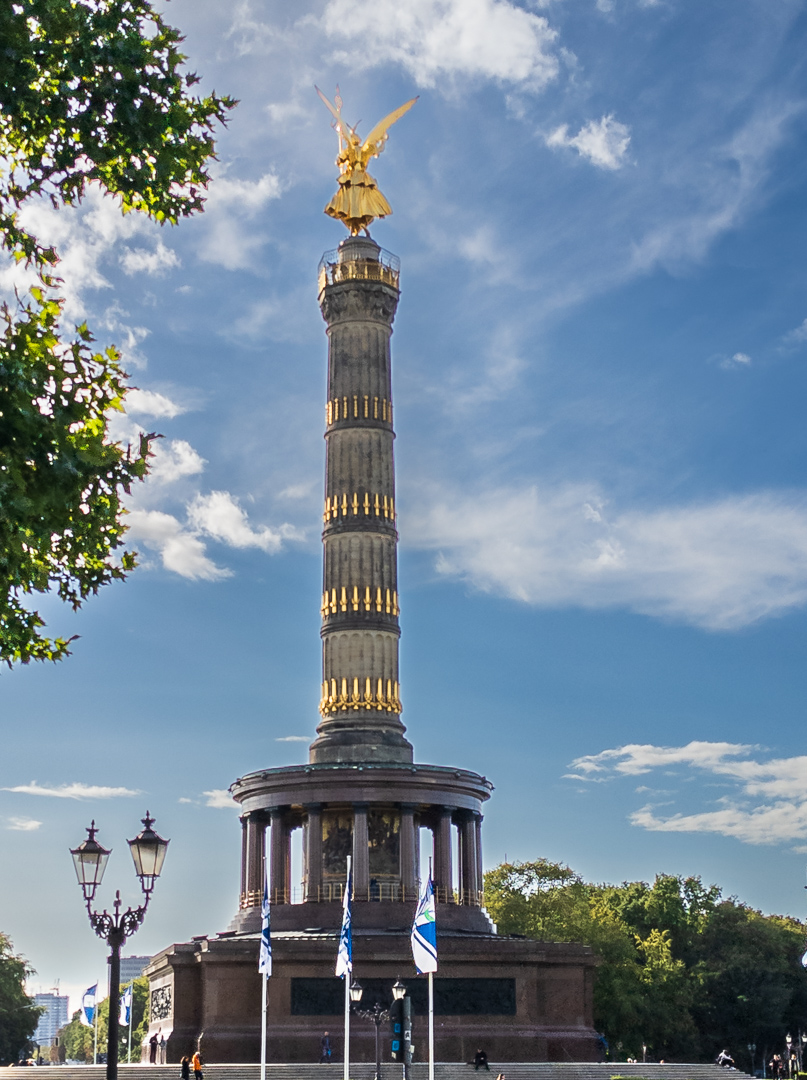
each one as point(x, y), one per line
point(600, 363)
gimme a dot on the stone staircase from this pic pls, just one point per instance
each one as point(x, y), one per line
point(520, 1070)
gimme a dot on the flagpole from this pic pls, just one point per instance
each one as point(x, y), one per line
point(265, 964)
point(131, 1017)
point(431, 1025)
point(95, 1041)
point(263, 1026)
point(347, 977)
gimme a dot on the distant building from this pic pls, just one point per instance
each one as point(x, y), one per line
point(50, 1022)
point(132, 967)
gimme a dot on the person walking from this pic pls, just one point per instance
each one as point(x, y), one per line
point(154, 1043)
point(325, 1049)
point(196, 1062)
point(185, 1068)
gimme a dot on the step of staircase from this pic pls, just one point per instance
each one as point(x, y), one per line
point(517, 1070)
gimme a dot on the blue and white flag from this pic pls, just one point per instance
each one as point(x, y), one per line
point(126, 1006)
point(424, 932)
point(265, 956)
point(88, 1005)
point(344, 958)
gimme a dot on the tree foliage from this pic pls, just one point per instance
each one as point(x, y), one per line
point(18, 1013)
point(92, 93)
point(683, 971)
point(79, 1040)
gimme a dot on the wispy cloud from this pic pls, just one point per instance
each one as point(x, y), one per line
point(293, 738)
point(150, 403)
point(720, 565)
point(219, 516)
point(220, 799)
point(603, 142)
point(739, 360)
point(767, 803)
point(22, 824)
point(73, 791)
point(726, 185)
point(438, 40)
point(797, 336)
point(230, 235)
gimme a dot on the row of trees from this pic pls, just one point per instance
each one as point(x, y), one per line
point(18, 1013)
point(684, 971)
point(19, 1017)
point(78, 1040)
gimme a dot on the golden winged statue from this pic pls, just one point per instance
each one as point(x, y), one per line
point(358, 200)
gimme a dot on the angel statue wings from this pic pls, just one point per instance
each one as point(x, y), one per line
point(358, 200)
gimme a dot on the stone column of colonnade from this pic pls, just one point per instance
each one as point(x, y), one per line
point(360, 701)
point(254, 857)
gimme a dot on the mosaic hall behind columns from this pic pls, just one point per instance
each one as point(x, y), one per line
point(362, 794)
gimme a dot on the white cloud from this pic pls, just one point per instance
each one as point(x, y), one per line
point(739, 360)
point(229, 240)
point(638, 758)
point(797, 336)
point(21, 824)
point(173, 459)
point(157, 261)
point(181, 551)
point(726, 189)
point(73, 791)
point(293, 738)
point(767, 803)
point(219, 516)
point(90, 237)
point(719, 565)
point(439, 39)
point(603, 142)
point(246, 196)
point(150, 403)
point(220, 799)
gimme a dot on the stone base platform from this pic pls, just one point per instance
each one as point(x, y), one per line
point(521, 1000)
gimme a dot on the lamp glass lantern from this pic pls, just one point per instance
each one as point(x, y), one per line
point(398, 990)
point(148, 854)
point(90, 860)
point(356, 991)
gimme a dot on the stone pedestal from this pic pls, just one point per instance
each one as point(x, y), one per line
point(538, 997)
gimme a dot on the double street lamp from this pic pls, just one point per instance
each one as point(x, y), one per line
point(377, 1015)
point(90, 858)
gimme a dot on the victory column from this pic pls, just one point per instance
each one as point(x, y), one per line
point(361, 794)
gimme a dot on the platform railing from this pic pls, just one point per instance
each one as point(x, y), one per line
point(332, 271)
point(377, 892)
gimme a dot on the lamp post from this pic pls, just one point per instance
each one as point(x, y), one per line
point(399, 994)
point(789, 1044)
point(90, 859)
point(378, 1016)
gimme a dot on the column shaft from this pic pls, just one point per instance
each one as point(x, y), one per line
point(361, 853)
point(480, 874)
point(468, 887)
point(407, 852)
point(442, 857)
point(243, 889)
point(279, 859)
point(313, 852)
point(255, 854)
